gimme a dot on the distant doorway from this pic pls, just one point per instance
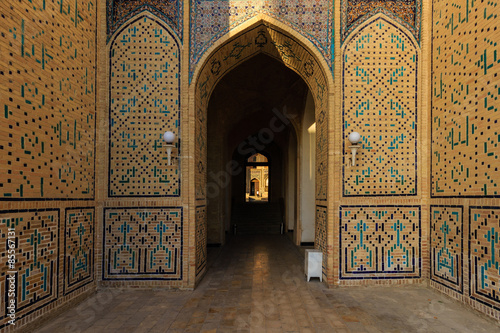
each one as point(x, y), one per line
point(257, 179)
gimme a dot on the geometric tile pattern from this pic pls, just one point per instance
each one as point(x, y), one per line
point(36, 267)
point(280, 46)
point(119, 11)
point(143, 243)
point(380, 102)
point(201, 238)
point(447, 246)
point(380, 242)
point(144, 103)
point(79, 248)
point(484, 255)
point(465, 93)
point(320, 236)
point(211, 19)
point(405, 12)
point(48, 100)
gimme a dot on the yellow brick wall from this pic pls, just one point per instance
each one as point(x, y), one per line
point(465, 152)
point(47, 143)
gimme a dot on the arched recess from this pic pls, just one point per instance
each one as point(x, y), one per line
point(381, 100)
point(143, 101)
point(272, 38)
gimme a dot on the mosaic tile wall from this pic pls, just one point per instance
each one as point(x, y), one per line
point(144, 103)
point(211, 19)
point(79, 243)
point(380, 102)
point(201, 239)
point(380, 242)
point(465, 92)
point(405, 12)
point(144, 243)
point(484, 255)
point(119, 11)
point(447, 246)
point(48, 100)
point(36, 270)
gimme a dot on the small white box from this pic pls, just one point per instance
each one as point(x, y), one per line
point(314, 264)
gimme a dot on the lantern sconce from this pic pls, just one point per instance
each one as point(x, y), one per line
point(354, 138)
point(169, 138)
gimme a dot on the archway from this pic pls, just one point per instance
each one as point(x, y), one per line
point(283, 44)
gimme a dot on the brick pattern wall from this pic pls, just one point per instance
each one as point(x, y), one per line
point(144, 104)
point(383, 237)
point(380, 242)
point(143, 243)
point(465, 151)
point(47, 144)
point(380, 102)
point(48, 101)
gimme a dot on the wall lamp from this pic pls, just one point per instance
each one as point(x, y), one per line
point(354, 138)
point(169, 138)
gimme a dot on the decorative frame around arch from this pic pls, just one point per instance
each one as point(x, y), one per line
point(262, 35)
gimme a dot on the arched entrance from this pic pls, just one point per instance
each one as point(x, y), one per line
point(286, 46)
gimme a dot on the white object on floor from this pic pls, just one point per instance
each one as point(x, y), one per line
point(314, 264)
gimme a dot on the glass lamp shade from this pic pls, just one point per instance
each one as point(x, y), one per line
point(354, 137)
point(169, 137)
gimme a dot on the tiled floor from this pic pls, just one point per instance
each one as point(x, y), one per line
point(257, 284)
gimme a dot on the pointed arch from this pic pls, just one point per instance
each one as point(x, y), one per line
point(266, 35)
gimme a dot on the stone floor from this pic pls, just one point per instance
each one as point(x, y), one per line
point(256, 284)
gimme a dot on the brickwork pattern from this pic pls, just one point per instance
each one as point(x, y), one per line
point(380, 242)
point(48, 100)
point(447, 246)
point(355, 12)
point(79, 243)
point(380, 102)
point(144, 103)
point(211, 19)
point(201, 239)
point(320, 235)
point(143, 243)
point(484, 255)
point(465, 92)
point(119, 11)
point(36, 269)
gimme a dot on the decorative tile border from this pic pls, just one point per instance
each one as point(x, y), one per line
point(37, 259)
point(484, 255)
point(380, 242)
point(143, 243)
point(79, 248)
point(446, 236)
